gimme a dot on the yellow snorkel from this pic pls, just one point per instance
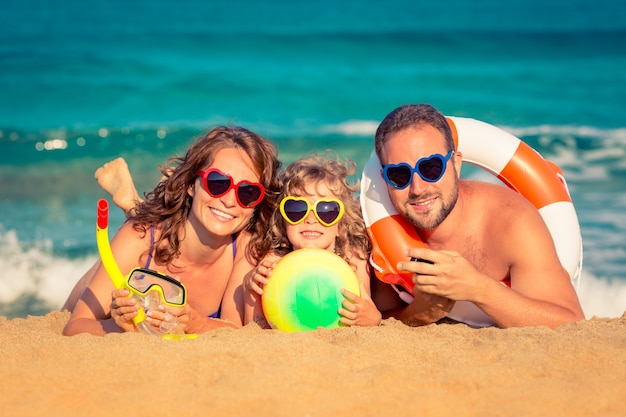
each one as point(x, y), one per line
point(106, 255)
point(147, 286)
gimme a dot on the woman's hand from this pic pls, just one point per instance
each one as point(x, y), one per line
point(123, 309)
point(163, 319)
point(167, 319)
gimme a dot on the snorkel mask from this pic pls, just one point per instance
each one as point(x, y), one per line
point(150, 288)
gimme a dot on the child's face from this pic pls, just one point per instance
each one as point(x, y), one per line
point(310, 233)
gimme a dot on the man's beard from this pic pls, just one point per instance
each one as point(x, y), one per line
point(432, 220)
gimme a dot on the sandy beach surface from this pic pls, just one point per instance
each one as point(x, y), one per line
point(391, 370)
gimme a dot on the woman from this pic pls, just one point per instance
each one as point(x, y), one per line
point(199, 225)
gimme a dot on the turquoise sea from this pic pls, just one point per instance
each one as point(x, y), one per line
point(82, 83)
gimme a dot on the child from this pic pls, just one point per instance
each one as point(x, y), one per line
point(318, 180)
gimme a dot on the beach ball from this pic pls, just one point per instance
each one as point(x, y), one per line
point(303, 292)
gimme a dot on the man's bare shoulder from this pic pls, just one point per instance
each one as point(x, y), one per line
point(496, 205)
point(491, 194)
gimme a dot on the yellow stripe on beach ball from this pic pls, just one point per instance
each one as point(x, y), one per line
point(303, 292)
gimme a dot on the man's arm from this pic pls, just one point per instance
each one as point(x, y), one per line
point(541, 293)
point(424, 309)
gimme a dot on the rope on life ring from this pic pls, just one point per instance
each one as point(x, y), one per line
point(511, 160)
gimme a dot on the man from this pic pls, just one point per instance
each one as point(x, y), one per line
point(480, 237)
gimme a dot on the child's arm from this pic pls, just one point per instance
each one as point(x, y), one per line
point(253, 290)
point(360, 311)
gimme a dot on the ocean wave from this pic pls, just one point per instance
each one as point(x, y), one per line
point(587, 154)
point(602, 297)
point(546, 135)
point(31, 271)
point(352, 128)
point(618, 134)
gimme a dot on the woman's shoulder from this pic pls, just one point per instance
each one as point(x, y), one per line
point(242, 238)
point(136, 236)
point(130, 228)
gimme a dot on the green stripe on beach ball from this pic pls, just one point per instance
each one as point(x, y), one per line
point(303, 292)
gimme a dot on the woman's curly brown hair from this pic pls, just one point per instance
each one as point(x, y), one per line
point(352, 239)
point(167, 206)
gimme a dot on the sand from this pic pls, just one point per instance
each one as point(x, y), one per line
point(391, 370)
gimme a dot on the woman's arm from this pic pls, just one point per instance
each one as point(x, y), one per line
point(92, 313)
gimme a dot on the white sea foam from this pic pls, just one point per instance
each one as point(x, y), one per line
point(35, 270)
point(353, 128)
point(563, 132)
point(613, 140)
point(602, 297)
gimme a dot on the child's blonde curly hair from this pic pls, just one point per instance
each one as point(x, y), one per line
point(352, 239)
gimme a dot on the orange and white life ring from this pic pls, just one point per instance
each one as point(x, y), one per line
point(516, 164)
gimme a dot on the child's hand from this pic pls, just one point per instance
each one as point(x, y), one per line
point(359, 311)
point(260, 275)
